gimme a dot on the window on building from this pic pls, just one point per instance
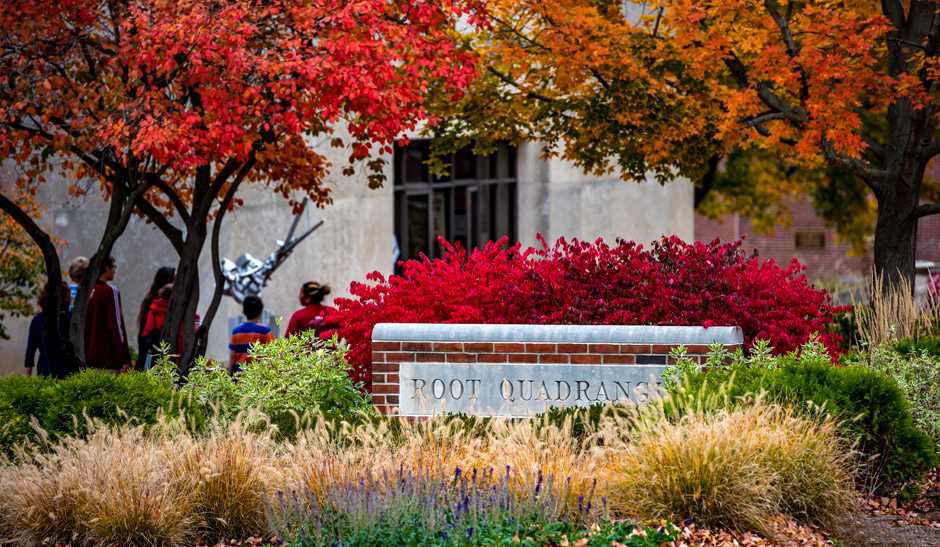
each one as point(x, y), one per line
point(474, 203)
point(809, 240)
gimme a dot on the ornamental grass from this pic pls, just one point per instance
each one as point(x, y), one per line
point(169, 487)
point(111, 487)
point(732, 468)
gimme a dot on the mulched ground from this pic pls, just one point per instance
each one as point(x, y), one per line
point(882, 523)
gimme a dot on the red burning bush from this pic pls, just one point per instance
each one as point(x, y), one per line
point(672, 283)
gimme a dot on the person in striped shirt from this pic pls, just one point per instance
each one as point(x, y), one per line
point(248, 333)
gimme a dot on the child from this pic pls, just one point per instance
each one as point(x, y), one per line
point(77, 270)
point(248, 333)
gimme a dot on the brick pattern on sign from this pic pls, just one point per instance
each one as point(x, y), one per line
point(386, 356)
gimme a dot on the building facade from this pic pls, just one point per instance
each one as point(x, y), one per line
point(512, 193)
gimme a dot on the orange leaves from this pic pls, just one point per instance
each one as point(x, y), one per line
point(817, 59)
point(652, 96)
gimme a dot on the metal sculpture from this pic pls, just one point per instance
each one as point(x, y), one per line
point(247, 275)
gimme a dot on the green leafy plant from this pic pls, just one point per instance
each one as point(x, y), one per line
point(286, 379)
point(63, 407)
point(112, 399)
point(26, 394)
point(14, 428)
point(915, 366)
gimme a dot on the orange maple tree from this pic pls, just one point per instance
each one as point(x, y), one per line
point(661, 87)
point(21, 263)
point(170, 105)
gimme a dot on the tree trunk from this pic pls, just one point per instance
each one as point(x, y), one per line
point(56, 342)
point(216, 267)
point(895, 239)
point(707, 182)
point(180, 315)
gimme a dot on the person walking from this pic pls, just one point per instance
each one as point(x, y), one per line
point(153, 325)
point(164, 276)
point(313, 312)
point(47, 365)
point(105, 334)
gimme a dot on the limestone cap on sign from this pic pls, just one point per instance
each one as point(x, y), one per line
point(589, 334)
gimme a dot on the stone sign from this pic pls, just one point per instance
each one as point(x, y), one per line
point(420, 369)
point(521, 389)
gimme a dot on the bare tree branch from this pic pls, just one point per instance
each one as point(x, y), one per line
point(600, 78)
point(874, 178)
point(764, 132)
point(784, 25)
point(172, 233)
point(761, 118)
point(927, 209)
point(173, 196)
point(875, 147)
point(740, 74)
point(530, 94)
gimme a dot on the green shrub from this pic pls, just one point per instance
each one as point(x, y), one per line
point(109, 398)
point(20, 398)
point(925, 345)
point(873, 410)
point(26, 394)
point(14, 428)
point(286, 379)
point(915, 366)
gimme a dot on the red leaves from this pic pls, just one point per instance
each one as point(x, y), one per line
point(198, 82)
point(672, 283)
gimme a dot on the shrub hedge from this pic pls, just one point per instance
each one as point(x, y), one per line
point(915, 366)
point(671, 283)
point(60, 406)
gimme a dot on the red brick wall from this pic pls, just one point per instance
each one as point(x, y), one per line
point(832, 263)
point(386, 356)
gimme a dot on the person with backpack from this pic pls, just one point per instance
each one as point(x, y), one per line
point(313, 313)
point(152, 326)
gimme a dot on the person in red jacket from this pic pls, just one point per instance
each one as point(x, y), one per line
point(105, 335)
point(311, 315)
point(153, 327)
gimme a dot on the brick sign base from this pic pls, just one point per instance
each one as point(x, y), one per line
point(518, 370)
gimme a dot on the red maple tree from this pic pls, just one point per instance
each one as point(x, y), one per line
point(170, 105)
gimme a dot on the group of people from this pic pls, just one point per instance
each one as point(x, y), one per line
point(106, 344)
